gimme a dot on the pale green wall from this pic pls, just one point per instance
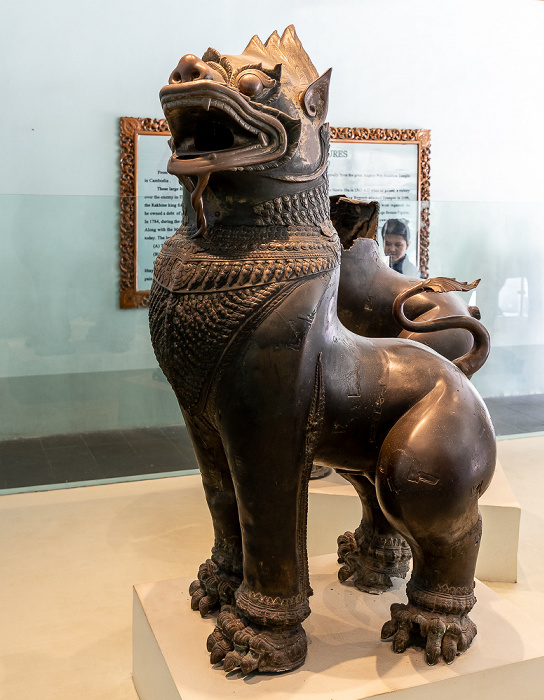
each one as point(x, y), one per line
point(471, 71)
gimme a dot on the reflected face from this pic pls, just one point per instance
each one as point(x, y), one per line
point(395, 246)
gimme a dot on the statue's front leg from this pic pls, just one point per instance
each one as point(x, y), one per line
point(269, 441)
point(263, 630)
point(219, 576)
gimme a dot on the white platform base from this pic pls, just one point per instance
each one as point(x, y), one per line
point(335, 508)
point(346, 659)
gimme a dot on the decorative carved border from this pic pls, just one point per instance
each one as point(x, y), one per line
point(421, 137)
point(130, 128)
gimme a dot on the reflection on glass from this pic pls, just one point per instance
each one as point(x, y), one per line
point(396, 240)
point(71, 360)
point(387, 173)
point(503, 244)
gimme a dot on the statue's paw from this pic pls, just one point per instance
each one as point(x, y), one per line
point(348, 552)
point(212, 589)
point(249, 647)
point(443, 635)
point(370, 574)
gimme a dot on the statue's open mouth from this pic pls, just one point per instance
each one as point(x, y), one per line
point(214, 128)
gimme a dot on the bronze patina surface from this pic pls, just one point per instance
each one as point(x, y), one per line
point(243, 317)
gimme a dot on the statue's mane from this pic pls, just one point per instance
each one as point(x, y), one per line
point(286, 50)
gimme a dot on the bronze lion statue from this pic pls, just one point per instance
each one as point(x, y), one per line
point(244, 323)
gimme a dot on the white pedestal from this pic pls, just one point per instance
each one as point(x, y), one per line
point(346, 659)
point(335, 508)
point(501, 513)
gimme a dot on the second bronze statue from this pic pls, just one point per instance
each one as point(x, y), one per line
point(243, 317)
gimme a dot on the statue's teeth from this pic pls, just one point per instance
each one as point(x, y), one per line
point(206, 103)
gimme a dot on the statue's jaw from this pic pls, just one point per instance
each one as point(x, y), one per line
point(214, 128)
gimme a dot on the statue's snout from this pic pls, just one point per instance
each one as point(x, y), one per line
point(189, 69)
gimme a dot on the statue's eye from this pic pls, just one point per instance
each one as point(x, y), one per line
point(250, 84)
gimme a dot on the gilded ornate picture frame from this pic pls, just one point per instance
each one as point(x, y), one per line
point(151, 199)
point(132, 128)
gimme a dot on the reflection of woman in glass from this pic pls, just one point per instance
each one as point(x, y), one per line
point(396, 239)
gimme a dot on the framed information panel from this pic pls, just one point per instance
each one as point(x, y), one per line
point(391, 166)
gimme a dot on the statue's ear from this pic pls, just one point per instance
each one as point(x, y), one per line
point(353, 218)
point(315, 99)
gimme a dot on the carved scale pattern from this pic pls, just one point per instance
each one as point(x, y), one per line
point(310, 207)
point(190, 332)
point(243, 258)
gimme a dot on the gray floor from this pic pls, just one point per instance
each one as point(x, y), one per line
point(515, 415)
point(117, 454)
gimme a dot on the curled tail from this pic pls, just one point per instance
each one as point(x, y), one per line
point(476, 357)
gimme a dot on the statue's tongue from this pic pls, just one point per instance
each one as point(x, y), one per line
point(196, 201)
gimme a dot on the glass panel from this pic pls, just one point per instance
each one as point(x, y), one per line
point(72, 361)
point(503, 244)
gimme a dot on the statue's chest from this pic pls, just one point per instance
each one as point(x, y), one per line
point(207, 298)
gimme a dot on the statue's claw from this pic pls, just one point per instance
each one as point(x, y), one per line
point(211, 590)
point(446, 635)
point(218, 646)
point(251, 647)
point(232, 661)
point(200, 600)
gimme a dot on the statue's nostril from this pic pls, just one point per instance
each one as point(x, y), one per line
point(189, 69)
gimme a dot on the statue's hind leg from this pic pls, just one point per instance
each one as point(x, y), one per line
point(219, 576)
point(375, 551)
point(433, 466)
